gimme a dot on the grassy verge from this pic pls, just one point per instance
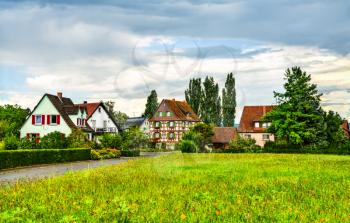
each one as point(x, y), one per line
point(191, 188)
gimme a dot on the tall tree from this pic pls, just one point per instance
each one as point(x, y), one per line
point(229, 101)
point(12, 118)
point(152, 104)
point(210, 112)
point(118, 116)
point(298, 118)
point(194, 94)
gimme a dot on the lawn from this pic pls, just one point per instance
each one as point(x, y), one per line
point(191, 188)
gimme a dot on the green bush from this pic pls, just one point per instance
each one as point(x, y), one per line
point(94, 145)
point(28, 144)
point(134, 139)
point(111, 141)
point(77, 139)
point(2, 145)
point(15, 158)
point(187, 146)
point(11, 142)
point(54, 140)
point(243, 145)
point(95, 155)
point(130, 153)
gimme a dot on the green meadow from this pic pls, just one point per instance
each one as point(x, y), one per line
point(190, 188)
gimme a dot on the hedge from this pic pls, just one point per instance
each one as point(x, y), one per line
point(16, 158)
point(130, 153)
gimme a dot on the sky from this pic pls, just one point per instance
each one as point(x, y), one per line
point(121, 50)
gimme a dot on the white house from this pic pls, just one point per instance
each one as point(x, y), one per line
point(99, 119)
point(54, 113)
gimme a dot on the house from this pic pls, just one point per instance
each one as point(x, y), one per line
point(139, 122)
point(55, 113)
point(99, 118)
point(345, 127)
point(171, 120)
point(252, 126)
point(223, 136)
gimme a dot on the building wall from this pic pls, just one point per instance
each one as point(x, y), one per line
point(258, 137)
point(81, 115)
point(44, 108)
point(180, 127)
point(100, 117)
point(145, 128)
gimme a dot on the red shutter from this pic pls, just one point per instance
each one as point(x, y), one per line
point(28, 136)
point(33, 119)
point(37, 140)
point(58, 119)
point(48, 119)
point(43, 119)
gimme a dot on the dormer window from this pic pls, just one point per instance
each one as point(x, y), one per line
point(168, 114)
point(257, 125)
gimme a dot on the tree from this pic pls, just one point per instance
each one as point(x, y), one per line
point(151, 105)
point(193, 94)
point(118, 116)
point(200, 134)
point(333, 131)
point(229, 101)
point(298, 118)
point(211, 112)
point(12, 118)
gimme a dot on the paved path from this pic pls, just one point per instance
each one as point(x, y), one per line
point(48, 170)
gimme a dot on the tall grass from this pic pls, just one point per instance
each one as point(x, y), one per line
point(190, 188)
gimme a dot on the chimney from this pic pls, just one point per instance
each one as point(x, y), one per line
point(85, 102)
point(59, 95)
point(173, 99)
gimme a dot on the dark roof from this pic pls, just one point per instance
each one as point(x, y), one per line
point(182, 112)
point(134, 121)
point(253, 114)
point(224, 134)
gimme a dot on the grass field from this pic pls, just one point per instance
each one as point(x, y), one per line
point(191, 188)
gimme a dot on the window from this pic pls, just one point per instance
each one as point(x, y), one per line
point(164, 135)
point(248, 136)
point(38, 119)
point(78, 122)
point(171, 124)
point(93, 122)
point(171, 135)
point(257, 124)
point(105, 124)
point(53, 119)
point(156, 135)
point(168, 114)
point(99, 110)
point(266, 137)
point(157, 124)
point(264, 125)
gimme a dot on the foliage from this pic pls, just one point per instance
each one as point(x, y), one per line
point(105, 154)
point(130, 152)
point(333, 131)
point(190, 188)
point(229, 101)
point(12, 118)
point(200, 134)
point(94, 145)
point(77, 139)
point(151, 105)
point(111, 141)
point(211, 112)
point(134, 138)
point(26, 144)
point(2, 145)
point(54, 140)
point(187, 146)
point(298, 118)
point(15, 158)
point(95, 155)
point(193, 94)
point(119, 116)
point(11, 142)
point(241, 144)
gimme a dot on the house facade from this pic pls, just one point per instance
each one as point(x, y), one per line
point(99, 118)
point(252, 126)
point(171, 120)
point(137, 122)
point(54, 113)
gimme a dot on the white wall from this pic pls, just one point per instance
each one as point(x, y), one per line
point(44, 108)
point(81, 115)
point(258, 137)
point(100, 117)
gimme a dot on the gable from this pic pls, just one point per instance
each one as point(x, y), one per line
point(253, 114)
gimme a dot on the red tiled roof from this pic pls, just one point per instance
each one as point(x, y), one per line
point(252, 114)
point(224, 134)
point(182, 111)
point(90, 107)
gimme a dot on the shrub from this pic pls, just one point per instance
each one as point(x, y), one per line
point(54, 140)
point(95, 155)
point(77, 139)
point(134, 139)
point(130, 153)
point(187, 146)
point(28, 144)
point(15, 158)
point(111, 141)
point(2, 145)
point(94, 145)
point(243, 145)
point(11, 142)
